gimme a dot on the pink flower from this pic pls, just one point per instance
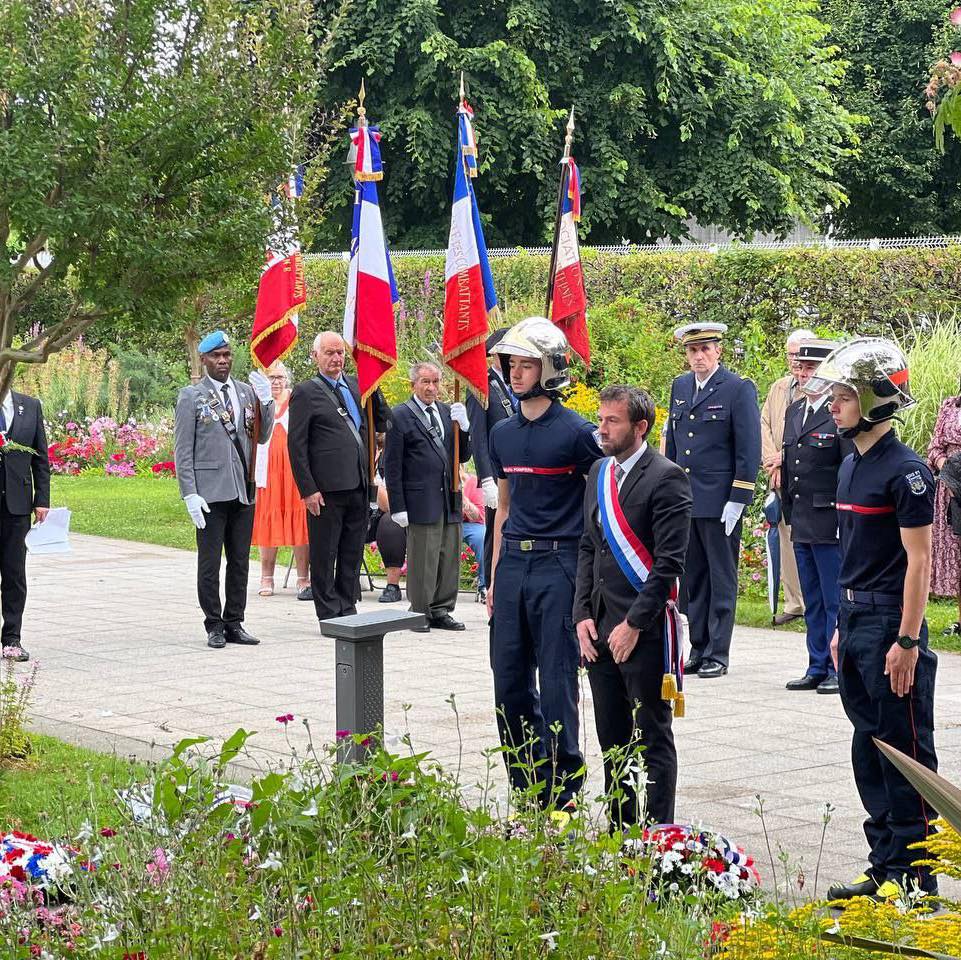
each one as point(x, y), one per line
point(955, 17)
point(342, 734)
point(391, 775)
point(278, 931)
point(755, 577)
point(284, 718)
point(159, 867)
point(108, 832)
point(955, 59)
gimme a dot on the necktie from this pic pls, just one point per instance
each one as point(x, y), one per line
point(346, 400)
point(3, 421)
point(228, 406)
point(434, 422)
point(618, 474)
point(697, 393)
point(807, 414)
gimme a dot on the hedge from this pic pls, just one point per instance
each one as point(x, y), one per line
point(636, 300)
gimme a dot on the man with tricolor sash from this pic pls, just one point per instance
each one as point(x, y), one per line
point(637, 515)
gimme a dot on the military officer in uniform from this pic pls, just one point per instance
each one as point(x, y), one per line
point(714, 434)
point(811, 457)
point(500, 405)
point(885, 501)
point(213, 444)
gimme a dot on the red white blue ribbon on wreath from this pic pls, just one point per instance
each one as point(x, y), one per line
point(635, 561)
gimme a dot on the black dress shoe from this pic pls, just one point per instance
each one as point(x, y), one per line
point(863, 886)
point(305, 593)
point(446, 622)
point(783, 618)
point(391, 594)
point(692, 666)
point(216, 640)
point(239, 635)
point(424, 629)
point(828, 686)
point(711, 670)
point(807, 682)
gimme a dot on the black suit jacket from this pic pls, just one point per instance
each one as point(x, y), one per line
point(325, 455)
point(499, 407)
point(26, 477)
point(417, 474)
point(656, 499)
point(809, 473)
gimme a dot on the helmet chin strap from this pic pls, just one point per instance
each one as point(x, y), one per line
point(536, 391)
point(849, 433)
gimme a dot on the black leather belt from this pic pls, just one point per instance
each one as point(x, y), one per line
point(867, 596)
point(526, 546)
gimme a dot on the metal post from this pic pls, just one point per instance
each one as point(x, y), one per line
point(359, 658)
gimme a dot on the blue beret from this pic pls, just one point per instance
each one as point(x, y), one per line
point(213, 341)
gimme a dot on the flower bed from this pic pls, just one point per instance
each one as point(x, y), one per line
point(129, 449)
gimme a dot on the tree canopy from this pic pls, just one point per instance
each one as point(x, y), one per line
point(724, 112)
point(138, 141)
point(898, 185)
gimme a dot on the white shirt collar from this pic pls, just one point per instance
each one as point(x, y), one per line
point(631, 460)
point(702, 384)
point(424, 406)
point(815, 403)
point(7, 405)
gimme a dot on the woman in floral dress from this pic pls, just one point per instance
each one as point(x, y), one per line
point(946, 560)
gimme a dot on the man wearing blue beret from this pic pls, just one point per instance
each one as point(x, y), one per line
point(213, 445)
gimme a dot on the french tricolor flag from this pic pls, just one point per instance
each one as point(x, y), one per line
point(469, 298)
point(371, 292)
point(568, 297)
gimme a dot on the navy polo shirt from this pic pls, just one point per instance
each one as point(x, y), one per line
point(545, 462)
point(887, 488)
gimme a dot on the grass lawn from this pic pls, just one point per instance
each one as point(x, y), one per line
point(149, 510)
point(59, 786)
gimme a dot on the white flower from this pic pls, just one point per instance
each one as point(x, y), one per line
point(550, 939)
point(463, 878)
point(110, 934)
point(409, 834)
point(311, 809)
point(86, 832)
point(270, 862)
point(254, 913)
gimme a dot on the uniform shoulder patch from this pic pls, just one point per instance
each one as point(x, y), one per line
point(916, 483)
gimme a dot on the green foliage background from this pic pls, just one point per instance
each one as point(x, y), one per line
point(725, 112)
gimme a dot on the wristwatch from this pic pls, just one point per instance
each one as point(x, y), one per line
point(908, 643)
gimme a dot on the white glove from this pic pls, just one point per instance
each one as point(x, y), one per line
point(730, 516)
point(489, 486)
point(458, 413)
point(400, 519)
point(197, 507)
point(261, 386)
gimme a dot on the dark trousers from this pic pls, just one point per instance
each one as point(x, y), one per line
point(818, 566)
point(635, 723)
point(230, 525)
point(488, 542)
point(710, 584)
point(13, 573)
point(336, 538)
point(532, 638)
point(897, 816)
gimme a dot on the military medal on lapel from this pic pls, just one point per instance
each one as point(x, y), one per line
point(249, 420)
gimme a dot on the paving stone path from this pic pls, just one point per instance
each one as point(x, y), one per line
point(124, 666)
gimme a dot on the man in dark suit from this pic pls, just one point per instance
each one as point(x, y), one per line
point(620, 611)
point(24, 489)
point(714, 434)
point(812, 457)
point(500, 405)
point(327, 443)
point(418, 471)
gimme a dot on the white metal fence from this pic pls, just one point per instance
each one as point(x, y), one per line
point(822, 243)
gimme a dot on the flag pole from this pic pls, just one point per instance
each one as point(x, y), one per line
point(561, 187)
point(369, 404)
point(455, 479)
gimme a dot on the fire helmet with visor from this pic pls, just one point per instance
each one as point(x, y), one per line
point(536, 338)
point(873, 368)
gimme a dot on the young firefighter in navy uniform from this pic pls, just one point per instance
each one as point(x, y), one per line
point(541, 457)
point(809, 483)
point(714, 434)
point(885, 502)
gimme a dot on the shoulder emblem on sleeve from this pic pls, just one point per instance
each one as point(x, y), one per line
point(916, 483)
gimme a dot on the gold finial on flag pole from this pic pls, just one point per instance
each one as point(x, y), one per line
point(462, 85)
point(361, 110)
point(569, 138)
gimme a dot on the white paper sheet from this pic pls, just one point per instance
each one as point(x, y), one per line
point(51, 536)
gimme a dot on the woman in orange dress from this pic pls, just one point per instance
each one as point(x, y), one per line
point(280, 518)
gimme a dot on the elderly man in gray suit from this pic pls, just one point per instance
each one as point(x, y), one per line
point(213, 442)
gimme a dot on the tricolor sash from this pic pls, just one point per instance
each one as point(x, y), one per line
point(635, 561)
